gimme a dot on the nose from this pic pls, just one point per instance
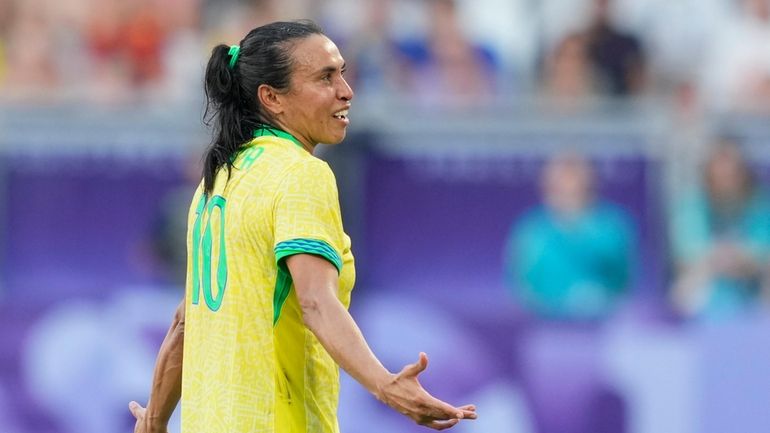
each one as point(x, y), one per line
point(344, 92)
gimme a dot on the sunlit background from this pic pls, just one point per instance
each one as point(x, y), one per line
point(561, 201)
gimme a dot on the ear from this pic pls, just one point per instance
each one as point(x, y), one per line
point(269, 100)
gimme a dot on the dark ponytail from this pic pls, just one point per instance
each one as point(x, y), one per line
point(232, 107)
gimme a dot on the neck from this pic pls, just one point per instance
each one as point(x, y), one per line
point(306, 144)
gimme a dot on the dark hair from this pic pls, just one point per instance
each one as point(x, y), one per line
point(231, 93)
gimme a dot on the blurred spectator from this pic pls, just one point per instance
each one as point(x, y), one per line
point(617, 57)
point(568, 76)
point(721, 239)
point(102, 37)
point(183, 64)
point(230, 21)
point(736, 73)
point(598, 59)
point(125, 43)
point(6, 8)
point(571, 257)
point(375, 65)
point(31, 71)
point(569, 262)
point(675, 35)
point(145, 35)
point(446, 64)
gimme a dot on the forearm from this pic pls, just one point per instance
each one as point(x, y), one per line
point(339, 334)
point(315, 283)
point(690, 288)
point(167, 377)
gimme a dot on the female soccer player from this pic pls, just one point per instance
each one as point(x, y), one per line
point(264, 322)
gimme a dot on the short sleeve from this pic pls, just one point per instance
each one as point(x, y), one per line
point(307, 214)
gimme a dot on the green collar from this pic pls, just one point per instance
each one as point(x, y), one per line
point(275, 132)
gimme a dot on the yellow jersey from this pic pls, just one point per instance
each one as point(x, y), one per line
point(250, 364)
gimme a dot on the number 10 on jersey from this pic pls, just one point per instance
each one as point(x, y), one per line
point(202, 249)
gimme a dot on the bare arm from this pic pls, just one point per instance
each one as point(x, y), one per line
point(691, 290)
point(166, 380)
point(315, 281)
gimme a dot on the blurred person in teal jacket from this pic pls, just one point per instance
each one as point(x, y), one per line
point(721, 239)
point(571, 257)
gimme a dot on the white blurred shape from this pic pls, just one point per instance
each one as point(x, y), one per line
point(398, 328)
point(501, 408)
point(360, 412)
point(656, 370)
point(85, 360)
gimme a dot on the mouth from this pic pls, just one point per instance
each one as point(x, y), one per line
point(342, 115)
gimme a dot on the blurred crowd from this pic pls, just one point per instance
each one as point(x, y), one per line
point(712, 54)
point(574, 263)
point(575, 256)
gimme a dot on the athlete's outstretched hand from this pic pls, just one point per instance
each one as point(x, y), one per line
point(405, 394)
point(143, 424)
point(316, 284)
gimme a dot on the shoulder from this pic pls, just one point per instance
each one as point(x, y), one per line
point(308, 174)
point(531, 219)
point(759, 202)
point(761, 195)
point(287, 159)
point(533, 214)
point(308, 166)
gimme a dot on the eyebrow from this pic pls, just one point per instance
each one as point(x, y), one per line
point(329, 69)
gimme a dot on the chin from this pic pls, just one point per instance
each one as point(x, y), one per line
point(335, 140)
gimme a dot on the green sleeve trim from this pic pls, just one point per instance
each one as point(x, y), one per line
point(307, 246)
point(283, 279)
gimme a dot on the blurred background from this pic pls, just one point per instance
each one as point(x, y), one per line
point(563, 202)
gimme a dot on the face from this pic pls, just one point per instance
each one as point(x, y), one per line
point(727, 174)
point(758, 8)
point(315, 109)
point(567, 184)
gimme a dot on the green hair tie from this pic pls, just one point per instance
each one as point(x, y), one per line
point(235, 50)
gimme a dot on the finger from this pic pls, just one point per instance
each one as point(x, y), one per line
point(136, 410)
point(469, 414)
point(444, 411)
point(416, 368)
point(469, 411)
point(442, 425)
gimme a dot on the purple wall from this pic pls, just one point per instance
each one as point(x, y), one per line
point(80, 226)
point(442, 222)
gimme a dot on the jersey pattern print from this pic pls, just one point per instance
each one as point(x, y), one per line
point(250, 364)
